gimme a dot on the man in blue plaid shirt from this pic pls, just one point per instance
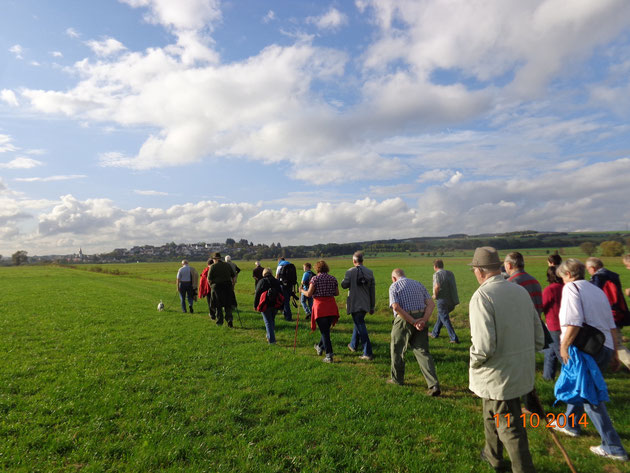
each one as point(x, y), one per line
point(412, 306)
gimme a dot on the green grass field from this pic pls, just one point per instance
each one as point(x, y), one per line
point(94, 379)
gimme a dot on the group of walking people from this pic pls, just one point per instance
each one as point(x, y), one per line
point(506, 331)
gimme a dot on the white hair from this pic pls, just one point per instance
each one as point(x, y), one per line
point(228, 258)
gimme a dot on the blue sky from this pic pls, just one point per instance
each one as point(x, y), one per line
point(146, 121)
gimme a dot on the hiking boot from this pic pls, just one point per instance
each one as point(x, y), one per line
point(318, 349)
point(599, 451)
point(351, 349)
point(434, 391)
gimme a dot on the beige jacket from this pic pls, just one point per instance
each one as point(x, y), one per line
point(506, 333)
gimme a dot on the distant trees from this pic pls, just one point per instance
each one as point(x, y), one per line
point(588, 248)
point(611, 248)
point(19, 257)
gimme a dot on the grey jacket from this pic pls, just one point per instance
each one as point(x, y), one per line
point(506, 333)
point(448, 287)
point(360, 297)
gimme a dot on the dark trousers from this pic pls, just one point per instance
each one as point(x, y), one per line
point(286, 292)
point(324, 324)
point(511, 435)
point(211, 310)
point(222, 298)
point(186, 292)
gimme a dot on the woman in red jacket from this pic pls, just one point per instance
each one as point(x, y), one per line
point(323, 288)
point(552, 295)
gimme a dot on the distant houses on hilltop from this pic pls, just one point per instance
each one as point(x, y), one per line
point(430, 246)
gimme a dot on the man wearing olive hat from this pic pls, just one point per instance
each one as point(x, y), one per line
point(222, 278)
point(506, 333)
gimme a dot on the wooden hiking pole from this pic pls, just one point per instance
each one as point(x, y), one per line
point(541, 412)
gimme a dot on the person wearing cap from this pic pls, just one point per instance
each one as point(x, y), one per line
point(506, 333)
point(412, 306)
point(187, 283)
point(221, 278)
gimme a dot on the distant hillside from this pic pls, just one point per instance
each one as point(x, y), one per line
point(244, 249)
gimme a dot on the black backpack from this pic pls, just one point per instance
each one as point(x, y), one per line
point(288, 275)
point(274, 298)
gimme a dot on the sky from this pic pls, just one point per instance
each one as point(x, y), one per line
point(137, 122)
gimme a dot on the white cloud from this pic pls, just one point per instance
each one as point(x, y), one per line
point(106, 47)
point(8, 96)
point(557, 200)
point(270, 16)
point(17, 50)
point(455, 178)
point(553, 201)
point(529, 41)
point(21, 163)
point(180, 15)
point(72, 33)
point(331, 20)
point(5, 144)
point(149, 192)
point(435, 175)
point(50, 178)
point(56, 54)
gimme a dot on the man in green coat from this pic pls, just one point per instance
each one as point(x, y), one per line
point(222, 278)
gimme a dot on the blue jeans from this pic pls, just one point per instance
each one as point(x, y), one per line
point(186, 291)
point(360, 333)
point(324, 324)
point(552, 356)
point(611, 443)
point(307, 303)
point(286, 292)
point(269, 317)
point(443, 319)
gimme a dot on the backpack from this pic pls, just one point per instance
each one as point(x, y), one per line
point(288, 275)
point(274, 298)
point(306, 282)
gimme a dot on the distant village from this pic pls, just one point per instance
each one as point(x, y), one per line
point(589, 243)
point(149, 253)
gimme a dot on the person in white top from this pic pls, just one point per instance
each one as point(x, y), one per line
point(583, 302)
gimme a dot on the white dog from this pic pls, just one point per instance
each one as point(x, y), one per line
point(161, 306)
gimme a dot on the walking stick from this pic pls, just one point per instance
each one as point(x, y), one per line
point(296, 328)
point(239, 316)
point(540, 411)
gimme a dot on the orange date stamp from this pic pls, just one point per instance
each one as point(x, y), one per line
point(552, 420)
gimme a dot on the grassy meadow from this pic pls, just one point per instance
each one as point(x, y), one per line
point(93, 378)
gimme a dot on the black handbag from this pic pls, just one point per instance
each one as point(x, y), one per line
point(589, 339)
